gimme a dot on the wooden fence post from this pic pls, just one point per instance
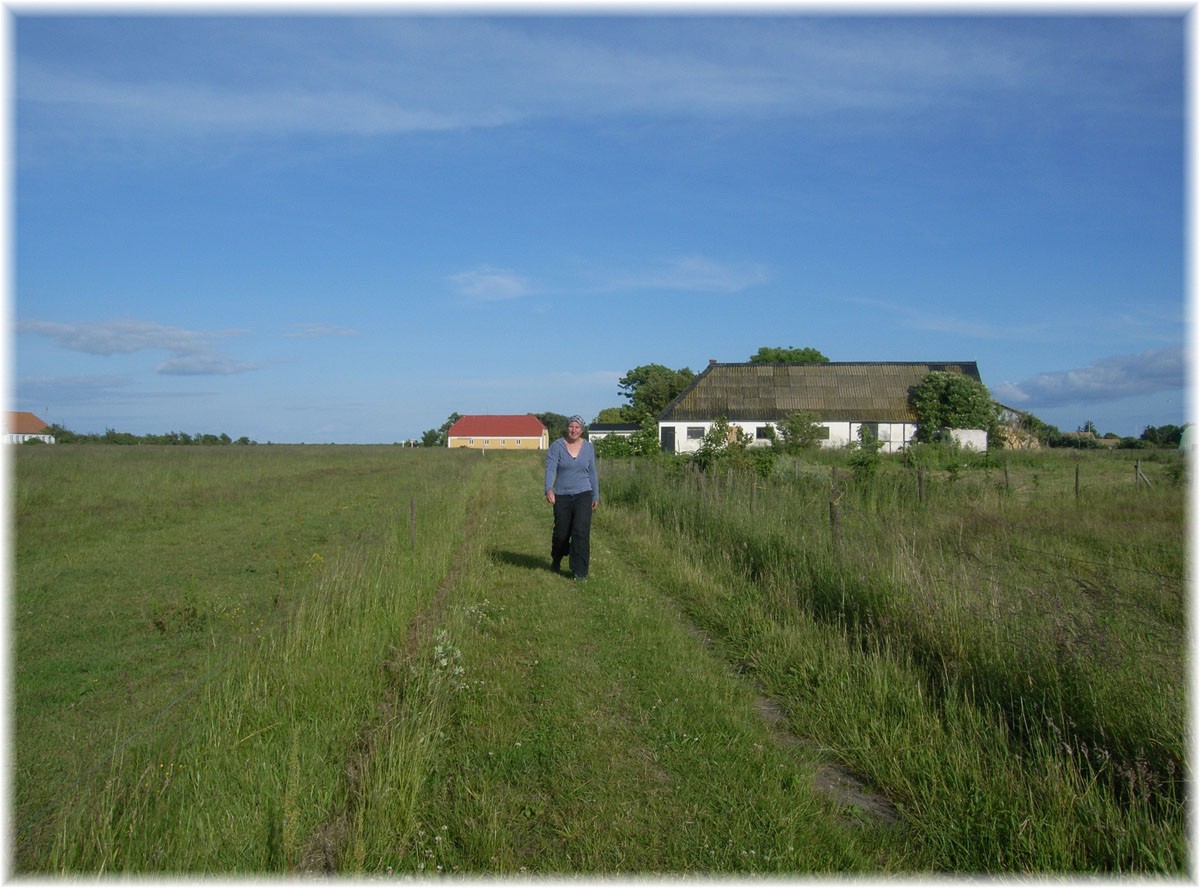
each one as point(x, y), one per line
point(1139, 477)
point(412, 521)
point(920, 484)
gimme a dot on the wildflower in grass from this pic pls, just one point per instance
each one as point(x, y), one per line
point(446, 661)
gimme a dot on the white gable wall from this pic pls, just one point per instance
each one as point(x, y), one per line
point(894, 436)
point(969, 439)
point(619, 433)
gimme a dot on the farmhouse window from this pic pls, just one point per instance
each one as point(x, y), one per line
point(695, 433)
point(822, 433)
point(763, 433)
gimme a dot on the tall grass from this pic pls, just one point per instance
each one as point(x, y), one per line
point(223, 739)
point(1006, 661)
point(595, 735)
point(247, 661)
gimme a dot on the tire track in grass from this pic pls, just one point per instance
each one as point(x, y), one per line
point(830, 778)
point(602, 739)
point(324, 849)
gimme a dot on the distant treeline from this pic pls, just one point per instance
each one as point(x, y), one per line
point(1087, 436)
point(112, 436)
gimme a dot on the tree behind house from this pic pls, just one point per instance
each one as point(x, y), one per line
point(946, 400)
point(778, 355)
point(650, 388)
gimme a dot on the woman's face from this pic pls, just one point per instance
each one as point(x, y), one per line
point(574, 430)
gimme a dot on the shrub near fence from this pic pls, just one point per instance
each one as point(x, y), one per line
point(1058, 615)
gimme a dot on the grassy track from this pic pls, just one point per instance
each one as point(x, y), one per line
point(595, 733)
point(1009, 669)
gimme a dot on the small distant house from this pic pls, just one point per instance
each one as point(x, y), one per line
point(500, 432)
point(22, 427)
point(843, 397)
point(598, 430)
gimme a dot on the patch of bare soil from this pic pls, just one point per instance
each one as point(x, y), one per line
point(833, 780)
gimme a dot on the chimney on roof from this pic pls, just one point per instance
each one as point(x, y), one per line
point(712, 361)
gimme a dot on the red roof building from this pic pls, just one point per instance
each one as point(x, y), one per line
point(500, 432)
point(20, 427)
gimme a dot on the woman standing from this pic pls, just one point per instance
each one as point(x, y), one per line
point(573, 488)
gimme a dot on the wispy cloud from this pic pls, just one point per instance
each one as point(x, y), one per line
point(697, 274)
point(1109, 379)
point(73, 390)
point(318, 331)
point(118, 337)
point(193, 350)
point(940, 321)
point(69, 389)
point(409, 74)
point(686, 274)
point(489, 284)
point(214, 110)
point(203, 365)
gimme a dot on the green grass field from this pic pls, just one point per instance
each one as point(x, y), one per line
point(268, 660)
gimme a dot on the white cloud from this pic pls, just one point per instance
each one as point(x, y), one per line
point(940, 321)
point(490, 284)
point(402, 74)
point(691, 273)
point(69, 389)
point(88, 390)
point(1109, 379)
point(318, 331)
point(192, 349)
point(210, 364)
point(211, 109)
point(118, 337)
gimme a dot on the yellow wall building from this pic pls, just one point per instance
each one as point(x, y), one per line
point(500, 432)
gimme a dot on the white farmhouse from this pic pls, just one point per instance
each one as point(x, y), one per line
point(844, 397)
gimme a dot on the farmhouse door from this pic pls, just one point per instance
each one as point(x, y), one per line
point(667, 439)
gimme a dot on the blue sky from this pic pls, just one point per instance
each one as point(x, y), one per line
point(342, 229)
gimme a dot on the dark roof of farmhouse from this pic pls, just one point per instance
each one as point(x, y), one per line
point(834, 391)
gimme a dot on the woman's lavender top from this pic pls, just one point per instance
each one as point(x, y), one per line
point(566, 474)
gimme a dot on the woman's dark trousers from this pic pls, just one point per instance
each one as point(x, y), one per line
point(572, 531)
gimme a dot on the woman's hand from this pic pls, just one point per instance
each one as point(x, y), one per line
point(550, 497)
